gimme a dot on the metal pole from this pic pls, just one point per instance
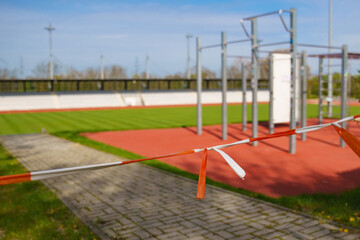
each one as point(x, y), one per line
point(293, 43)
point(271, 103)
point(224, 85)
point(51, 56)
point(188, 36)
point(22, 77)
point(321, 72)
point(51, 66)
point(147, 66)
point(198, 85)
point(330, 80)
point(303, 92)
point(102, 67)
point(254, 79)
point(244, 86)
point(344, 74)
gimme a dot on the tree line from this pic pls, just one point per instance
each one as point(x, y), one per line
point(233, 72)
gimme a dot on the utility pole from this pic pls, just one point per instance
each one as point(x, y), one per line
point(188, 36)
point(102, 75)
point(22, 68)
point(330, 80)
point(137, 67)
point(51, 66)
point(147, 66)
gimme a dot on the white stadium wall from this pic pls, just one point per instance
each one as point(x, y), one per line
point(58, 100)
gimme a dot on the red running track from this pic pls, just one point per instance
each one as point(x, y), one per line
point(319, 166)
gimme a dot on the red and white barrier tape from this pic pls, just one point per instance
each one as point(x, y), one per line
point(350, 139)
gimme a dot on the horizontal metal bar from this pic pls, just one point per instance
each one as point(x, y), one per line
point(318, 46)
point(238, 41)
point(233, 56)
point(265, 14)
point(264, 51)
point(274, 44)
point(211, 46)
point(332, 65)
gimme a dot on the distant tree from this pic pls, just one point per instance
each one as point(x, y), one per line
point(6, 73)
point(91, 73)
point(115, 72)
point(72, 73)
point(135, 76)
point(234, 72)
point(41, 70)
point(355, 86)
point(206, 73)
point(177, 75)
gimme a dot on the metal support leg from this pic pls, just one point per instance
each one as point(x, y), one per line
point(271, 102)
point(198, 86)
point(244, 88)
point(303, 92)
point(321, 73)
point(293, 44)
point(254, 79)
point(344, 73)
point(224, 85)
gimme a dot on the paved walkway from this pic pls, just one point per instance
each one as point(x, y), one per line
point(138, 202)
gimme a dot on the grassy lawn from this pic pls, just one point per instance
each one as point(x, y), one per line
point(42, 215)
point(119, 119)
point(31, 211)
point(126, 119)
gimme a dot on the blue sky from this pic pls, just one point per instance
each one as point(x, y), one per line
point(128, 30)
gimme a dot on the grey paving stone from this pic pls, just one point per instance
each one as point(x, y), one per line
point(139, 202)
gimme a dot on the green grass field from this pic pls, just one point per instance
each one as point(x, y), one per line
point(32, 211)
point(126, 119)
point(342, 208)
point(122, 119)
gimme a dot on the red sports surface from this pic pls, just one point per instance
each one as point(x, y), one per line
point(319, 166)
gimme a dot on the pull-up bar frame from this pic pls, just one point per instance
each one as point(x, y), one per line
point(223, 46)
point(226, 43)
point(254, 52)
point(318, 46)
point(344, 72)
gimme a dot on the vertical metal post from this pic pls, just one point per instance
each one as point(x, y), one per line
point(330, 80)
point(271, 102)
point(102, 75)
point(147, 75)
point(293, 46)
point(254, 78)
point(224, 85)
point(51, 66)
point(303, 92)
point(244, 88)
point(321, 72)
point(344, 73)
point(198, 86)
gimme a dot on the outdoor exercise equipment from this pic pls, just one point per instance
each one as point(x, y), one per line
point(297, 71)
point(200, 48)
point(344, 55)
point(255, 53)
